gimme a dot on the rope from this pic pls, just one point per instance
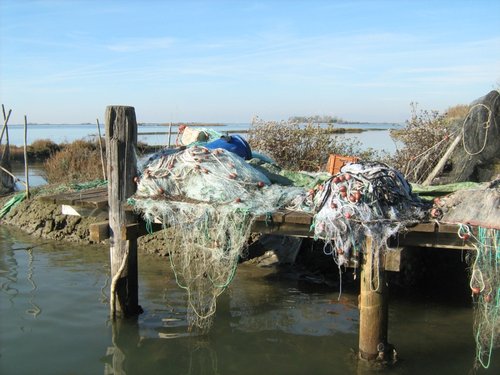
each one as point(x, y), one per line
point(486, 126)
point(485, 286)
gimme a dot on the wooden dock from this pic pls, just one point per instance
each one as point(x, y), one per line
point(123, 228)
point(91, 202)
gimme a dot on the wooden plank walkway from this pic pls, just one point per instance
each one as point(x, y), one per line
point(285, 222)
point(90, 198)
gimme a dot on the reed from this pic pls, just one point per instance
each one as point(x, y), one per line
point(78, 161)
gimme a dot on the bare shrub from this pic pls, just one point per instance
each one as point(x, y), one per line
point(78, 161)
point(297, 146)
point(42, 148)
point(425, 139)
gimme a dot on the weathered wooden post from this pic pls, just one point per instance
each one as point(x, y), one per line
point(373, 314)
point(121, 141)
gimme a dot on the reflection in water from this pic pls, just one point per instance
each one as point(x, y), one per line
point(35, 310)
point(266, 322)
point(8, 269)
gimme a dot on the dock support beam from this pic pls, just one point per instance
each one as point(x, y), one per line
point(121, 141)
point(373, 314)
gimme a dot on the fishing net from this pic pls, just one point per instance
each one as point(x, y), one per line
point(364, 199)
point(7, 183)
point(477, 157)
point(210, 199)
point(485, 286)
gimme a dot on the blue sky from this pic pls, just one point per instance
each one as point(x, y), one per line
point(65, 61)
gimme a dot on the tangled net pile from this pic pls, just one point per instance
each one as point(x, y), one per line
point(485, 286)
point(210, 199)
point(364, 199)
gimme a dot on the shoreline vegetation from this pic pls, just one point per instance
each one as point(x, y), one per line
point(299, 143)
point(246, 131)
point(42, 149)
point(215, 124)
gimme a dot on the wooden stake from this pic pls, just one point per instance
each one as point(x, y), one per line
point(26, 171)
point(5, 121)
point(439, 166)
point(13, 176)
point(101, 150)
point(169, 133)
point(373, 308)
point(121, 141)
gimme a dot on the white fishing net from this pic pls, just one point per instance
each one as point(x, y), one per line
point(210, 198)
point(364, 199)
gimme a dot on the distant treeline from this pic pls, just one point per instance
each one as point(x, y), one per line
point(317, 119)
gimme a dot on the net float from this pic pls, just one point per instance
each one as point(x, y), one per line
point(465, 237)
point(136, 179)
point(333, 205)
point(311, 192)
point(352, 198)
point(357, 195)
point(435, 212)
point(204, 170)
point(347, 176)
point(341, 178)
point(238, 200)
point(336, 180)
point(232, 175)
point(343, 194)
point(476, 290)
point(342, 188)
point(488, 298)
point(261, 184)
point(197, 166)
point(347, 215)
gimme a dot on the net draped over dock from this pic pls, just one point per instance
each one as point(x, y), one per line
point(210, 199)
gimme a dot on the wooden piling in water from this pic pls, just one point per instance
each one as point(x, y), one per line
point(121, 142)
point(373, 307)
point(26, 168)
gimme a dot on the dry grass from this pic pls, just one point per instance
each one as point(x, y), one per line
point(79, 161)
point(457, 112)
point(40, 149)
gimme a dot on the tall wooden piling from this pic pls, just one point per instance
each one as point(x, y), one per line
point(121, 141)
point(373, 314)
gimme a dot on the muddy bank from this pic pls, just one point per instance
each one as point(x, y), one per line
point(44, 220)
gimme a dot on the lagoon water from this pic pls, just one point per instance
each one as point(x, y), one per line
point(54, 320)
point(376, 135)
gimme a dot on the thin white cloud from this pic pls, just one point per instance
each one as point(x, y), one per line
point(141, 44)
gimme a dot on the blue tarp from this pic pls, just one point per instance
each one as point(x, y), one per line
point(235, 144)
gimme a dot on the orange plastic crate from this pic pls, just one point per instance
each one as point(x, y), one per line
point(335, 162)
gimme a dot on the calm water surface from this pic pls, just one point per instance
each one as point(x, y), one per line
point(54, 320)
point(376, 139)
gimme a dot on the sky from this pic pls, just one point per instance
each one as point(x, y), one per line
point(228, 61)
